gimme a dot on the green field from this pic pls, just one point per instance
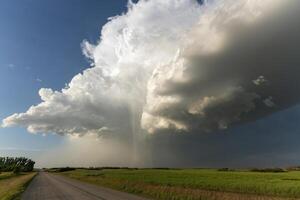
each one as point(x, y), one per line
point(191, 184)
point(12, 185)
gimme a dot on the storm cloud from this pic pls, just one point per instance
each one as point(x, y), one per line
point(178, 66)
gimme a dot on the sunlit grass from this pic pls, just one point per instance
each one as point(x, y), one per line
point(12, 185)
point(195, 183)
point(5, 175)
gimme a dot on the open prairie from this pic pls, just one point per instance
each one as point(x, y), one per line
point(189, 184)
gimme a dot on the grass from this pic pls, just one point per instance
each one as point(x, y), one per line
point(11, 185)
point(190, 184)
point(6, 175)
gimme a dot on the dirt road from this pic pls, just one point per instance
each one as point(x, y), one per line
point(46, 186)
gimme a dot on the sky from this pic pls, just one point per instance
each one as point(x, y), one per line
point(40, 47)
point(150, 83)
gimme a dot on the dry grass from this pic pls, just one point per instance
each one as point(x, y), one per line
point(5, 175)
point(13, 185)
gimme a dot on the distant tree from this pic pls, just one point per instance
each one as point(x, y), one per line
point(19, 163)
point(17, 170)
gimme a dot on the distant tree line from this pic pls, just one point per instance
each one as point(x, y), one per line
point(18, 164)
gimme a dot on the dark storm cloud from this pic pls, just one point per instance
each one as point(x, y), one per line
point(253, 74)
point(270, 142)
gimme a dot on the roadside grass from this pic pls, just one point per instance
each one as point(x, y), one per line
point(5, 175)
point(192, 184)
point(11, 185)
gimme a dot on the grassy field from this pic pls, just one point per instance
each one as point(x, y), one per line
point(11, 185)
point(190, 184)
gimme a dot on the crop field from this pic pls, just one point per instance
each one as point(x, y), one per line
point(190, 184)
point(11, 185)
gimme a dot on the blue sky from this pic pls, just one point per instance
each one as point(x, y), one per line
point(40, 47)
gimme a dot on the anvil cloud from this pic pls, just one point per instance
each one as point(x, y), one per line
point(176, 65)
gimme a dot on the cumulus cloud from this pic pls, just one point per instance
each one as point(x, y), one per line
point(180, 66)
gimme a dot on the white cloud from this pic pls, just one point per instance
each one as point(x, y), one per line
point(269, 102)
point(260, 80)
point(169, 64)
point(11, 66)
